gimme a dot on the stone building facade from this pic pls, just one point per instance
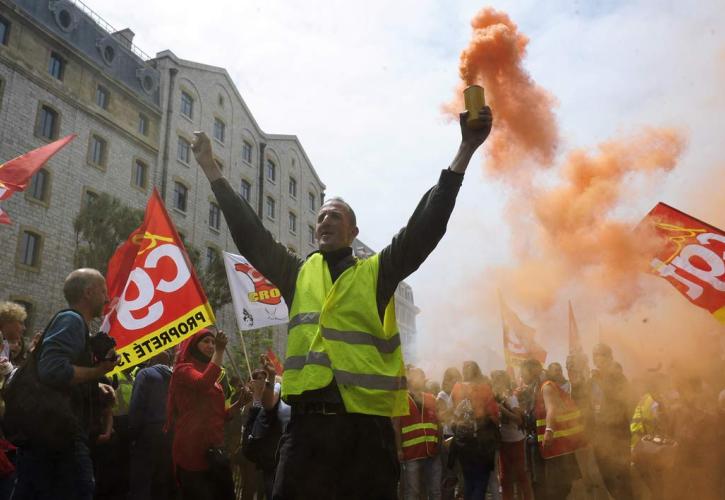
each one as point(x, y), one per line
point(62, 73)
point(64, 70)
point(271, 171)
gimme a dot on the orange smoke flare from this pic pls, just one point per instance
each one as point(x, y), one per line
point(525, 126)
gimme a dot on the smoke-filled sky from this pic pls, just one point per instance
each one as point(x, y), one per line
point(628, 95)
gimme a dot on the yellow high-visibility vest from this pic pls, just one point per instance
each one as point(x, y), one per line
point(642, 420)
point(335, 331)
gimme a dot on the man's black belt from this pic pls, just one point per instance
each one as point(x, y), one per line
point(318, 408)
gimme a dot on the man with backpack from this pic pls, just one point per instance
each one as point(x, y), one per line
point(53, 402)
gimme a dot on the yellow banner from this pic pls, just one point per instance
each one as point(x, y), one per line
point(165, 337)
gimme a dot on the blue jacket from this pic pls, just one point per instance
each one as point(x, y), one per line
point(148, 399)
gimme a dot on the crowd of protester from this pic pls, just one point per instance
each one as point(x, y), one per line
point(181, 427)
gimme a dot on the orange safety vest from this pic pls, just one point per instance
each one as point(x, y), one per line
point(419, 429)
point(568, 425)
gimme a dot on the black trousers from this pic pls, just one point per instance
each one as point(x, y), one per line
point(210, 484)
point(330, 457)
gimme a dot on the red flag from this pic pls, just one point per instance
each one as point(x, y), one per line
point(575, 345)
point(275, 362)
point(518, 338)
point(691, 257)
point(156, 299)
point(16, 173)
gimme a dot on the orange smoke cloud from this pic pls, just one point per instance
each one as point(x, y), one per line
point(525, 127)
point(572, 229)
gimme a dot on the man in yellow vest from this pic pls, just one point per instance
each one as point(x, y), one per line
point(344, 373)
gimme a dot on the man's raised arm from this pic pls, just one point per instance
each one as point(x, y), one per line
point(253, 240)
point(412, 245)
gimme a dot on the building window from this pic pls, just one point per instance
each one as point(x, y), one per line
point(39, 185)
point(4, 30)
point(292, 223)
point(56, 66)
point(140, 174)
point(48, 123)
point(89, 198)
point(187, 105)
point(247, 152)
point(214, 216)
point(246, 191)
point(270, 207)
point(311, 200)
point(310, 235)
point(30, 249)
point(102, 97)
point(293, 187)
point(220, 101)
point(143, 124)
point(219, 130)
point(211, 255)
point(271, 171)
point(98, 151)
point(181, 194)
point(184, 151)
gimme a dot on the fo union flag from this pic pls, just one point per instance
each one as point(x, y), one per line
point(257, 302)
point(156, 299)
point(691, 256)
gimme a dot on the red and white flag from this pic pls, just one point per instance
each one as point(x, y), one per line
point(691, 257)
point(156, 298)
point(15, 174)
point(518, 338)
point(257, 301)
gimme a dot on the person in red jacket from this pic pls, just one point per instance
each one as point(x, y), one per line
point(196, 414)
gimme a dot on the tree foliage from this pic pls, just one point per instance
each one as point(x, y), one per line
point(102, 224)
point(105, 222)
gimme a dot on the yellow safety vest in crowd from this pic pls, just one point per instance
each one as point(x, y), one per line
point(642, 419)
point(335, 330)
point(123, 393)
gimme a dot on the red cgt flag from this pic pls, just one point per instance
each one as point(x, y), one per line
point(16, 173)
point(691, 257)
point(156, 299)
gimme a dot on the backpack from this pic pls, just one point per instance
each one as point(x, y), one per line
point(474, 439)
point(37, 415)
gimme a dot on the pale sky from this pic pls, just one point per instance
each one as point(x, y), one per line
point(361, 84)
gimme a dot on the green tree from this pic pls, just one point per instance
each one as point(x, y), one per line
point(213, 278)
point(105, 222)
point(102, 224)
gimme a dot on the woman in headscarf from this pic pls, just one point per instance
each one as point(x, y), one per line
point(196, 414)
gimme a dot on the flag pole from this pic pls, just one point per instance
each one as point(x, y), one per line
point(234, 365)
point(246, 356)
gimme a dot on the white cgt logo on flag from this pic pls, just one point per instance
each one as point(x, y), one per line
point(257, 302)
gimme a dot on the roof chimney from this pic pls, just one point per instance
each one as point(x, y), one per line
point(125, 37)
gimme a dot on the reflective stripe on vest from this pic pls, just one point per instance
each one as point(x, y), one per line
point(335, 331)
point(419, 429)
point(568, 426)
point(419, 440)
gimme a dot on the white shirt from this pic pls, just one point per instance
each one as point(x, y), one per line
point(510, 432)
